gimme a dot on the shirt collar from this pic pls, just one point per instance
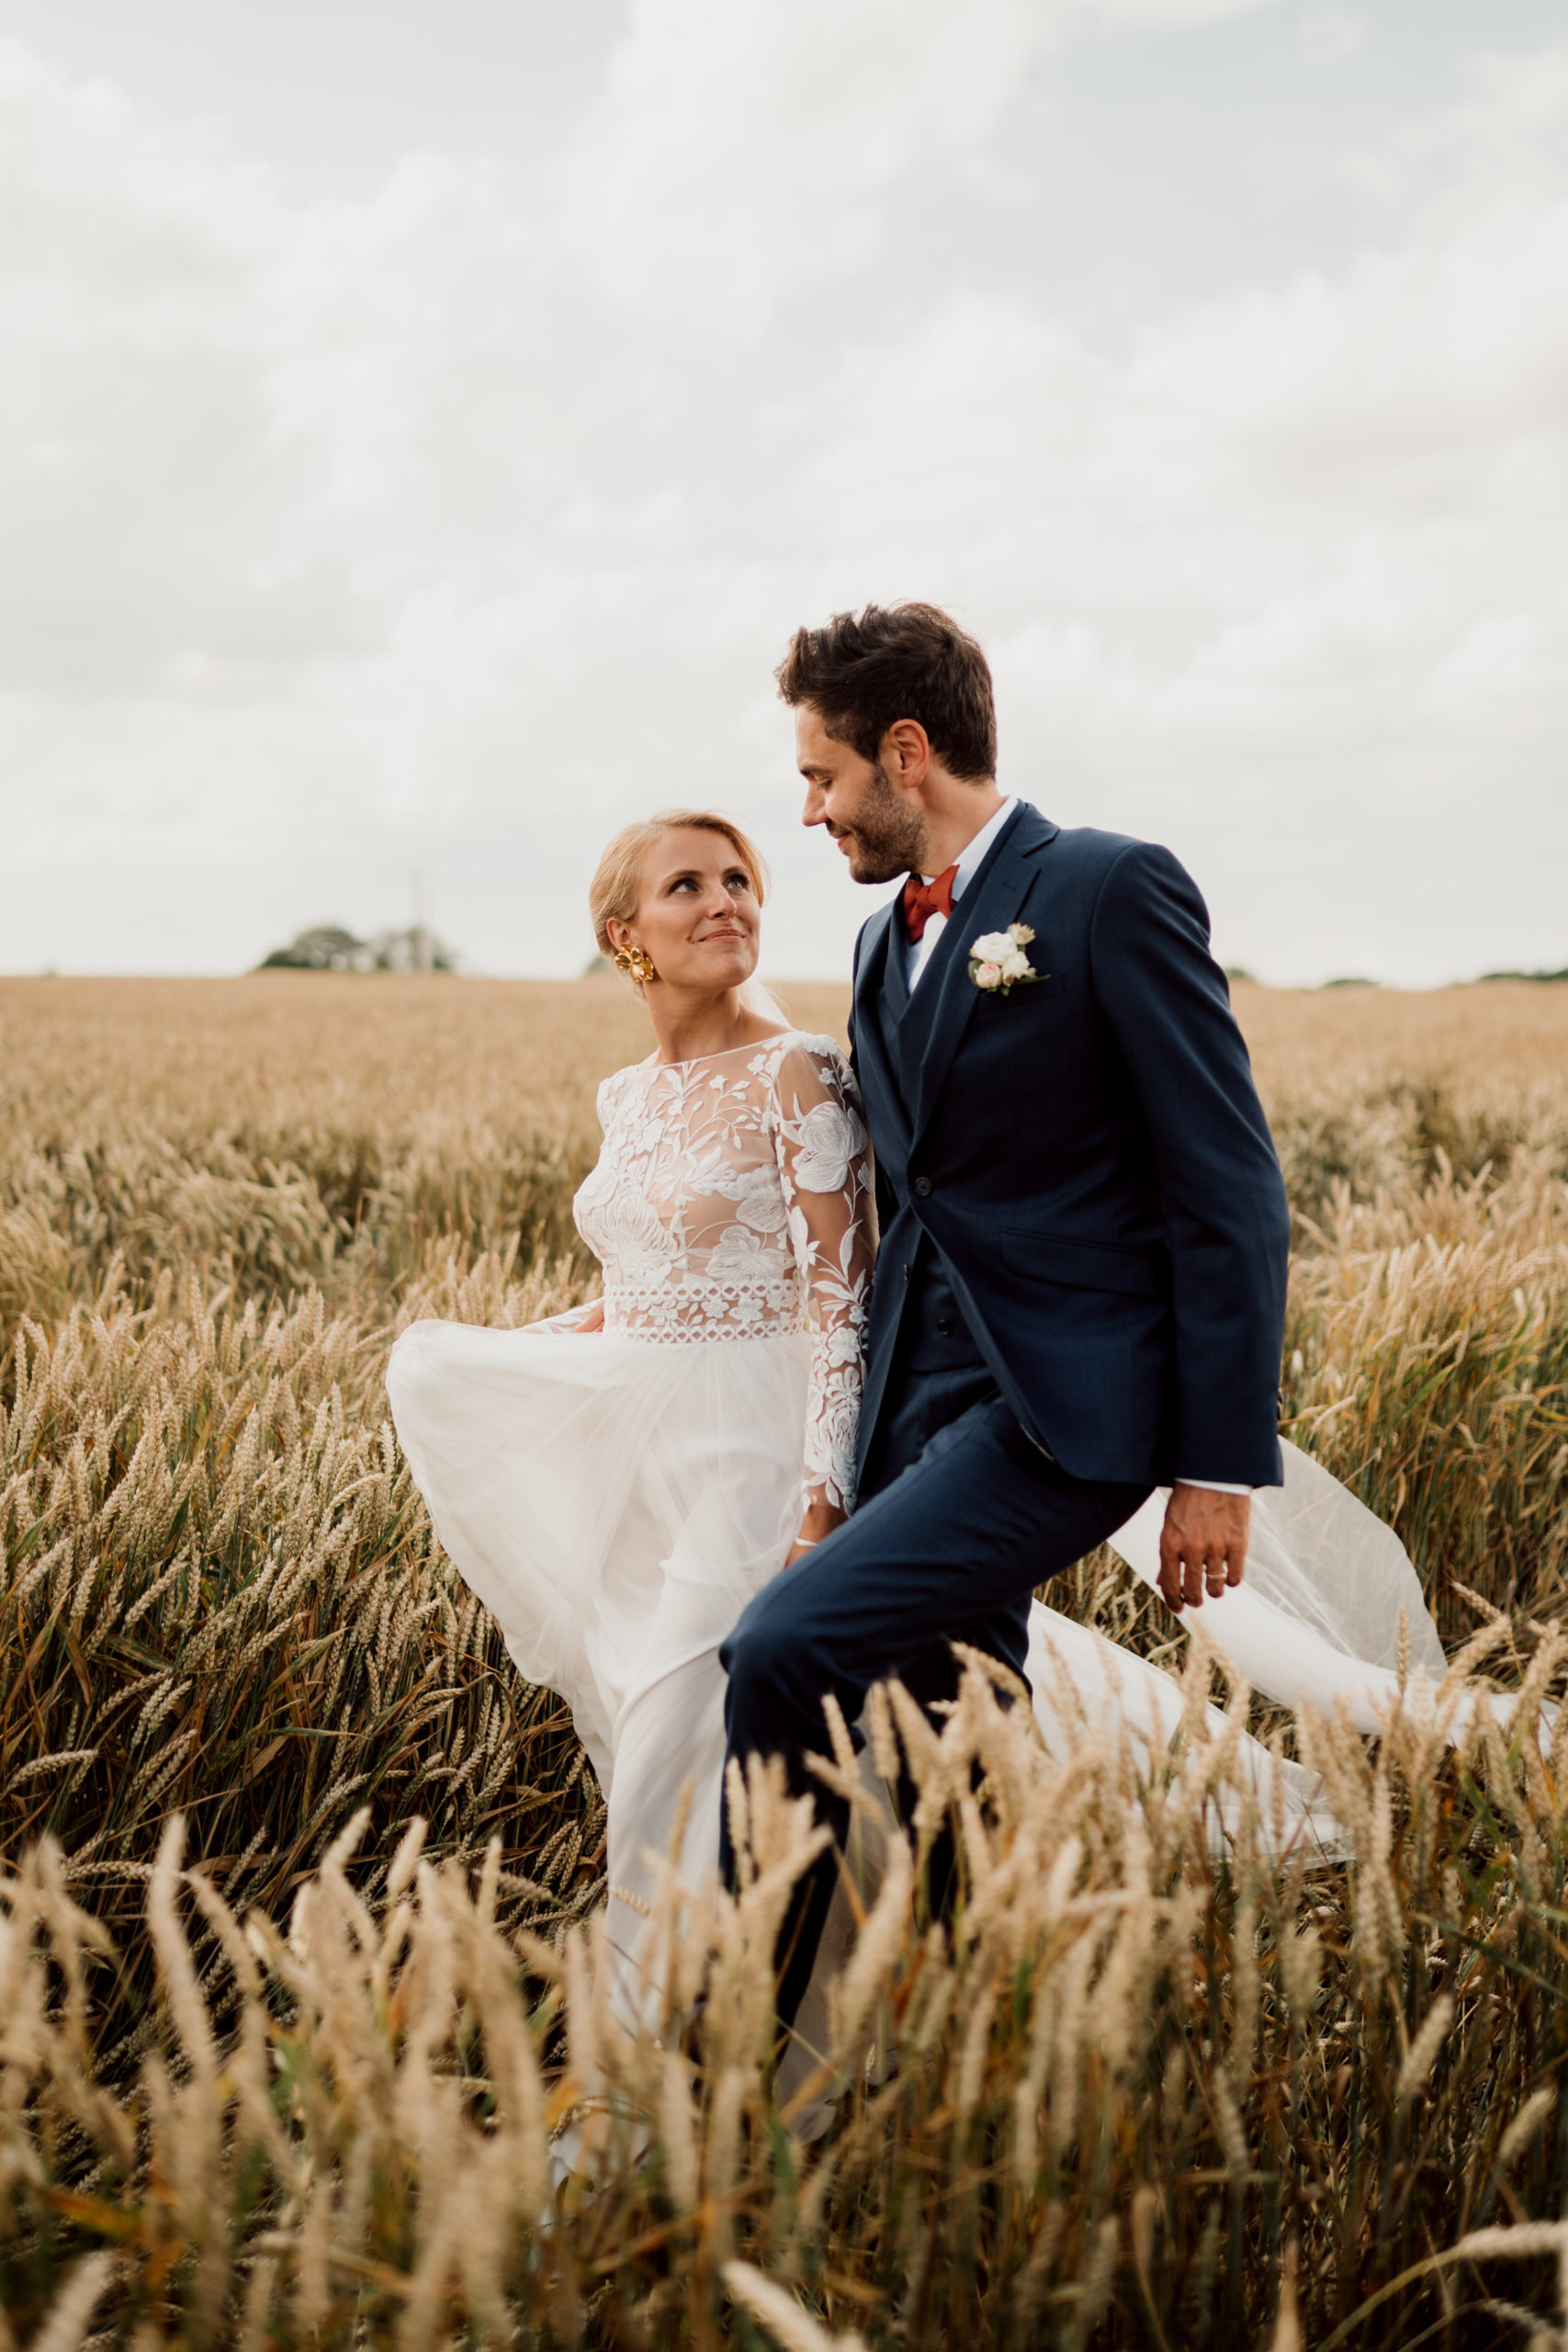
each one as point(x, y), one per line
point(971, 857)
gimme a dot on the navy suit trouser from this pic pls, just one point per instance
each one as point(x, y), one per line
point(967, 1516)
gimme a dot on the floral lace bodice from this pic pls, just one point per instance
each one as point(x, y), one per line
point(732, 1198)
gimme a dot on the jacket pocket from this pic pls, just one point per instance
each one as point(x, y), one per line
point(1023, 992)
point(1135, 1273)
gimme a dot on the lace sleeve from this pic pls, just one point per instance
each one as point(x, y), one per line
point(823, 1163)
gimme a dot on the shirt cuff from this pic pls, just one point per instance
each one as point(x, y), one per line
point(1216, 1487)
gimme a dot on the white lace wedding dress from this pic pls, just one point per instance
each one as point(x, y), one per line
point(615, 1501)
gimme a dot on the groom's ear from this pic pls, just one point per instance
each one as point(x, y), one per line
point(905, 754)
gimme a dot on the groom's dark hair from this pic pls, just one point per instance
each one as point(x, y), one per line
point(861, 672)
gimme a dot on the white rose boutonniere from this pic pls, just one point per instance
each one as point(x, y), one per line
point(998, 962)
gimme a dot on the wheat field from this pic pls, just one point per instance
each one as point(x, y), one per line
point(301, 1971)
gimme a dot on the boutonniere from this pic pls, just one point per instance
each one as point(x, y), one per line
point(998, 962)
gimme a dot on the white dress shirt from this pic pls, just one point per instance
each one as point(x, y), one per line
point(969, 861)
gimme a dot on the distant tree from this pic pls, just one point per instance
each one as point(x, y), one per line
point(1526, 976)
point(325, 947)
point(1352, 980)
point(328, 947)
point(595, 968)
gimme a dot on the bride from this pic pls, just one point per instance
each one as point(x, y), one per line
point(617, 1482)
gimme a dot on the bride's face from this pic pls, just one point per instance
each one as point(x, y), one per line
point(697, 914)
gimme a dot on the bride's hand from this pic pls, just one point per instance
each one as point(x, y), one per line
point(594, 1319)
point(820, 1520)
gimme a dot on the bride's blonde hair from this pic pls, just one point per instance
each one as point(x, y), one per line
point(613, 894)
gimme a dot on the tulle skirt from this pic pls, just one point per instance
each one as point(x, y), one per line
point(616, 1503)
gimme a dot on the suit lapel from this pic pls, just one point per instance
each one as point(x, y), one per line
point(878, 968)
point(895, 963)
point(991, 903)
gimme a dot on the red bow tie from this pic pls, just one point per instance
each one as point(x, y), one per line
point(923, 899)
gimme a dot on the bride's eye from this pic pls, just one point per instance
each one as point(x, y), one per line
point(739, 881)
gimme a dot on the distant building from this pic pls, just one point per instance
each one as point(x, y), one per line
point(328, 947)
point(417, 949)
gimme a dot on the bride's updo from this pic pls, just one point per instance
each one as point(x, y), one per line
point(613, 893)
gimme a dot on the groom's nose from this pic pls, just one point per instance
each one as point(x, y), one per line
point(815, 810)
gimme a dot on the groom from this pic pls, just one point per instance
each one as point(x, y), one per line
point(1080, 1288)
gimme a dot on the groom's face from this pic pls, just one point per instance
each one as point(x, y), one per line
point(878, 824)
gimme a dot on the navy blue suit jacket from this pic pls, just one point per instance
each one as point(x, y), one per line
point(1089, 1155)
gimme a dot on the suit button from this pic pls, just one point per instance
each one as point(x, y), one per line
point(945, 1327)
point(906, 1274)
point(923, 1186)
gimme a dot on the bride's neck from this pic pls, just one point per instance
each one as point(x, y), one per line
point(688, 1025)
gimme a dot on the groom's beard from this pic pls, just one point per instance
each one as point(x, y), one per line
point(888, 837)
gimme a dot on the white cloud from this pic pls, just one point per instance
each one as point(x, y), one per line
point(1299, 540)
point(1332, 36)
point(1495, 657)
point(737, 153)
point(448, 523)
point(1170, 13)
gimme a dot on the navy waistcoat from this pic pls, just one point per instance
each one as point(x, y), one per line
point(933, 1334)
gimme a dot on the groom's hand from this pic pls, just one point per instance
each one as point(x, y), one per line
point(1202, 1545)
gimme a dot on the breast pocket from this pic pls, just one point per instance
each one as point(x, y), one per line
point(1049, 986)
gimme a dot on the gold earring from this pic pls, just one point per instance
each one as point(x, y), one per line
point(636, 964)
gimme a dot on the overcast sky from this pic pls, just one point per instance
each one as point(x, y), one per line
point(420, 426)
